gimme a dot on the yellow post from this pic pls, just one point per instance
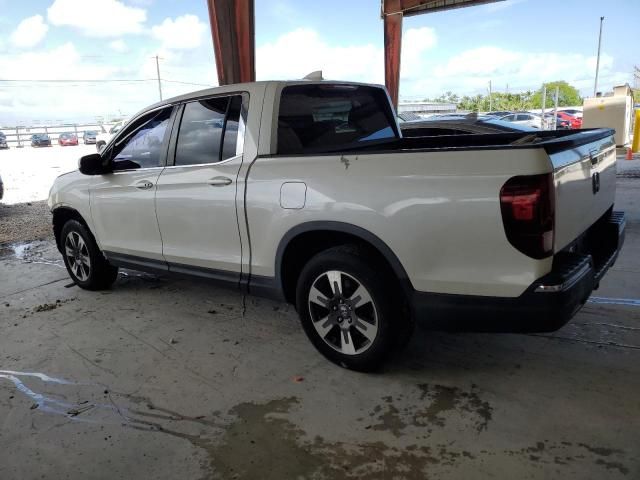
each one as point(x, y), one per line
point(636, 134)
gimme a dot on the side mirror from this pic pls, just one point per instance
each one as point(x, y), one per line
point(93, 164)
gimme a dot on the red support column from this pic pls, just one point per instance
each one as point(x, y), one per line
point(233, 33)
point(392, 47)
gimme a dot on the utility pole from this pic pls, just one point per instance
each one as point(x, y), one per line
point(595, 86)
point(490, 98)
point(158, 72)
point(544, 103)
point(555, 108)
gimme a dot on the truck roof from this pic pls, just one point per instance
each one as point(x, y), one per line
point(243, 86)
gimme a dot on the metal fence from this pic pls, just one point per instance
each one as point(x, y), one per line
point(20, 135)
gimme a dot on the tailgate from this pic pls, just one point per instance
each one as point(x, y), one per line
point(585, 182)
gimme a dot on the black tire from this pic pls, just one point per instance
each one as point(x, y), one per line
point(355, 269)
point(98, 274)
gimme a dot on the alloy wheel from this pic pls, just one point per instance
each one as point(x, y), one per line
point(77, 255)
point(343, 312)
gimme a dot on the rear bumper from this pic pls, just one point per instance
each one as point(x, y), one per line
point(548, 304)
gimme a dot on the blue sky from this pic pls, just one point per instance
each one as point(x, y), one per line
point(519, 43)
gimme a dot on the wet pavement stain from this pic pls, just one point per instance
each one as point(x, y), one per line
point(262, 436)
point(567, 453)
point(437, 403)
point(258, 440)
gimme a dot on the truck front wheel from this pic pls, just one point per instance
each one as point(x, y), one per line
point(85, 263)
point(346, 308)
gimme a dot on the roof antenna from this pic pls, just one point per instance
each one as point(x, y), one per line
point(315, 76)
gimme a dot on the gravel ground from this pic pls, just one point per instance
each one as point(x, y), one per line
point(25, 222)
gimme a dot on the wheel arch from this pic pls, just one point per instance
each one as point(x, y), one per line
point(62, 215)
point(303, 241)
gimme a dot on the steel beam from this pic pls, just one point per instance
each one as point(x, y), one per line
point(233, 32)
point(392, 48)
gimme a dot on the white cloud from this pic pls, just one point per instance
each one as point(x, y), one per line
point(185, 32)
point(415, 43)
point(118, 46)
point(297, 53)
point(97, 18)
point(471, 70)
point(29, 32)
point(303, 50)
point(56, 100)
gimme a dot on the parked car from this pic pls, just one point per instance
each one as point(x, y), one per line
point(103, 138)
point(524, 118)
point(66, 139)
point(3, 141)
point(560, 123)
point(499, 114)
point(460, 125)
point(408, 117)
point(89, 137)
point(573, 111)
point(40, 140)
point(574, 122)
point(307, 192)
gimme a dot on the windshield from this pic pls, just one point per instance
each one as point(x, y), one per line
point(330, 117)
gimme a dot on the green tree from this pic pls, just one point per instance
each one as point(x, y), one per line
point(568, 95)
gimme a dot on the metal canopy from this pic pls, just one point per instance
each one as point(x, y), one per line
point(233, 33)
point(416, 7)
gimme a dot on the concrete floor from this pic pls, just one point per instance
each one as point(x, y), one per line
point(167, 378)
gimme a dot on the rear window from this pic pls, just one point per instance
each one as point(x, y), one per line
point(324, 118)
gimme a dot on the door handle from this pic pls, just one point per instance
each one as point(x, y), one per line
point(219, 181)
point(144, 185)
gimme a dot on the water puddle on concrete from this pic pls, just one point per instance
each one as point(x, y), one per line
point(86, 410)
point(30, 252)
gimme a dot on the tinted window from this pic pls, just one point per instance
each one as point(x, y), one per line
point(203, 131)
point(316, 118)
point(141, 147)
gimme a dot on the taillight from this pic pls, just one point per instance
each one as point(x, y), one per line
point(527, 209)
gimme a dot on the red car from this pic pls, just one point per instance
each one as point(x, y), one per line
point(67, 139)
point(575, 122)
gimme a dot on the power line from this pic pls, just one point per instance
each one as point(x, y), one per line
point(79, 82)
point(188, 83)
point(100, 80)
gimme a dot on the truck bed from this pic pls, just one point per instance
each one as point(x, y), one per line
point(552, 141)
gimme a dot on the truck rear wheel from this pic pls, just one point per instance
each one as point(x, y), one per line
point(346, 310)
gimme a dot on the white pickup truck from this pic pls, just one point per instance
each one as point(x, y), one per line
point(306, 192)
